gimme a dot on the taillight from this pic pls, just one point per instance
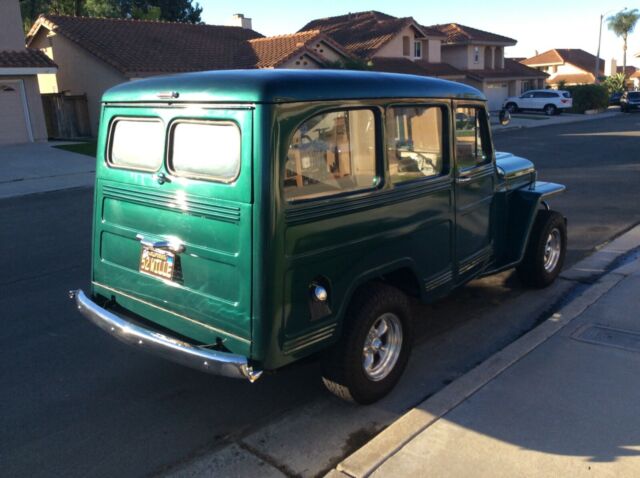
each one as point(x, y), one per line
point(564, 101)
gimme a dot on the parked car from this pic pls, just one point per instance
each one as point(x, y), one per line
point(614, 99)
point(551, 102)
point(244, 220)
point(630, 100)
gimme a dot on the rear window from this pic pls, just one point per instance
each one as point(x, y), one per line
point(136, 144)
point(566, 94)
point(332, 153)
point(205, 150)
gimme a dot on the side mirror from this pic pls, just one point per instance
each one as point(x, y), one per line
point(505, 117)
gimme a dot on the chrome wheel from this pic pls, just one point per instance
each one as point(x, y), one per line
point(382, 346)
point(552, 250)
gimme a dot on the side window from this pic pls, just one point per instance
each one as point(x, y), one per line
point(414, 142)
point(136, 143)
point(332, 153)
point(472, 148)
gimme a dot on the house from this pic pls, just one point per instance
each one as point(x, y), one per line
point(94, 54)
point(480, 56)
point(452, 51)
point(21, 116)
point(571, 66)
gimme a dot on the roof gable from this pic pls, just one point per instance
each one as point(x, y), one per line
point(364, 33)
point(557, 56)
point(138, 46)
point(461, 34)
point(272, 52)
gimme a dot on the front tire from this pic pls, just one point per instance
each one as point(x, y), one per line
point(375, 346)
point(546, 250)
point(511, 108)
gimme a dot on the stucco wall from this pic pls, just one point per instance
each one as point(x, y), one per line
point(79, 72)
point(301, 62)
point(324, 50)
point(394, 47)
point(11, 35)
point(456, 55)
point(435, 51)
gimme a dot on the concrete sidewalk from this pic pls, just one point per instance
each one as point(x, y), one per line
point(535, 120)
point(39, 167)
point(563, 400)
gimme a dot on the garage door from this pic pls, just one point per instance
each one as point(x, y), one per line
point(13, 122)
point(496, 94)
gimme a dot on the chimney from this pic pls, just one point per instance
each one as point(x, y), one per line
point(611, 68)
point(239, 20)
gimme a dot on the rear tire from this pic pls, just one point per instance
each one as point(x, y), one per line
point(550, 110)
point(374, 348)
point(546, 249)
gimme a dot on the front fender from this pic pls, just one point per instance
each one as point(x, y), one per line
point(521, 209)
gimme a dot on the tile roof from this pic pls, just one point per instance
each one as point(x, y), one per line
point(577, 57)
point(139, 46)
point(362, 33)
point(457, 33)
point(406, 66)
point(26, 58)
point(272, 52)
point(575, 79)
point(630, 69)
point(512, 69)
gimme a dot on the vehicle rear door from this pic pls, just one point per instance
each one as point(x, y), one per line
point(173, 218)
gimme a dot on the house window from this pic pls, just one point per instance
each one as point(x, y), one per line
point(476, 55)
point(417, 49)
point(406, 46)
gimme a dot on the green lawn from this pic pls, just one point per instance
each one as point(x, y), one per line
point(88, 149)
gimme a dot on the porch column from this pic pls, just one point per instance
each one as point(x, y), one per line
point(493, 57)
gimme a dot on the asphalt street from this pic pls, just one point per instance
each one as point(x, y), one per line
point(76, 403)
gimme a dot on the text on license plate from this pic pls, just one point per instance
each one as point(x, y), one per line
point(157, 263)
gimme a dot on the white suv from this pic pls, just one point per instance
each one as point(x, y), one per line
point(550, 101)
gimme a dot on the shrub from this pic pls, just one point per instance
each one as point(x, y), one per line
point(614, 83)
point(588, 97)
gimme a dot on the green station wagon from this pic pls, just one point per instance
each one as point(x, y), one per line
point(244, 220)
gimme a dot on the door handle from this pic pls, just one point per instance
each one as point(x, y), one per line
point(463, 179)
point(173, 245)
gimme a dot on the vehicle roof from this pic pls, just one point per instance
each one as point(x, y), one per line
point(279, 86)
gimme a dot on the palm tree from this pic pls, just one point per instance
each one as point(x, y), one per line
point(623, 23)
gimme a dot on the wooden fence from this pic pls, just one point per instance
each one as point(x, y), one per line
point(67, 116)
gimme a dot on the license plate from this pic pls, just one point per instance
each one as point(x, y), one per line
point(157, 263)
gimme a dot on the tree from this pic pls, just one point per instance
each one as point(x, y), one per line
point(169, 10)
point(623, 23)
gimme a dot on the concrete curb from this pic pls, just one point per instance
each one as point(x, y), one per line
point(367, 459)
point(496, 128)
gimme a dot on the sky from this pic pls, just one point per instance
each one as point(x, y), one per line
point(537, 25)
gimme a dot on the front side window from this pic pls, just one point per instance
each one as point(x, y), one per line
point(331, 153)
point(206, 150)
point(414, 142)
point(136, 144)
point(471, 132)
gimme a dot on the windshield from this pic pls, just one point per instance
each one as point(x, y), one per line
point(634, 95)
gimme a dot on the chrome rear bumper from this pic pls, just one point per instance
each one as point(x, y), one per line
point(206, 360)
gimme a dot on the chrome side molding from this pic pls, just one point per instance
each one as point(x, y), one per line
point(211, 361)
point(173, 244)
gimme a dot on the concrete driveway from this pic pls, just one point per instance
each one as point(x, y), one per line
point(39, 167)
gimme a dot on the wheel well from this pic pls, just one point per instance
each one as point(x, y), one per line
point(405, 280)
